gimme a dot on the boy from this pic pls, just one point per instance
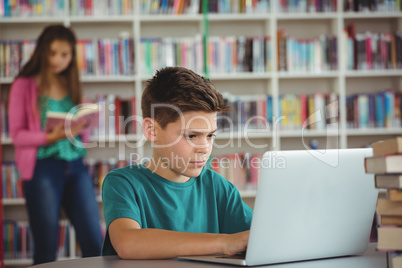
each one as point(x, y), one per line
point(171, 206)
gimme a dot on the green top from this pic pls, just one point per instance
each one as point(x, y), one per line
point(205, 204)
point(62, 149)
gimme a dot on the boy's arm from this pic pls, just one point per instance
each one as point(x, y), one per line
point(132, 242)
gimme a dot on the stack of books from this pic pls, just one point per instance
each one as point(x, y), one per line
point(386, 164)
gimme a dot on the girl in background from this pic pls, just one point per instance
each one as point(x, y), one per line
point(52, 168)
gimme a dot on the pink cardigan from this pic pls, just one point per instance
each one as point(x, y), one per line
point(25, 126)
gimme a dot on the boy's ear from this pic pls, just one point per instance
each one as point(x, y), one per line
point(149, 129)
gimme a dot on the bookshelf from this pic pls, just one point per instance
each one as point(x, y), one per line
point(341, 81)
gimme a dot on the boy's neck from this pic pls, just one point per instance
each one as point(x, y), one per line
point(158, 168)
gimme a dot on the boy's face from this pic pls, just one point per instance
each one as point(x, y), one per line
point(184, 146)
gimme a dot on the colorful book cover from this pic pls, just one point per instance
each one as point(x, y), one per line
point(363, 106)
point(87, 112)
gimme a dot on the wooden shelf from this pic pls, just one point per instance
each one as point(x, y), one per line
point(169, 18)
point(240, 76)
point(308, 133)
point(251, 134)
point(239, 17)
point(109, 19)
point(307, 16)
point(111, 79)
point(33, 19)
point(13, 201)
point(372, 15)
point(374, 131)
point(298, 75)
point(373, 73)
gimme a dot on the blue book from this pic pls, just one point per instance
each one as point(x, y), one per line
point(60, 5)
point(228, 62)
point(269, 109)
point(126, 49)
point(116, 58)
point(379, 107)
point(371, 110)
point(324, 59)
point(221, 6)
point(303, 52)
point(350, 53)
point(295, 54)
point(243, 114)
point(389, 108)
point(7, 8)
point(290, 51)
point(363, 106)
point(164, 7)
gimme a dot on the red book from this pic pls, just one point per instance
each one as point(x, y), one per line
point(118, 119)
point(254, 167)
point(369, 52)
point(88, 9)
point(133, 113)
point(215, 164)
point(108, 56)
point(303, 109)
point(356, 112)
point(87, 111)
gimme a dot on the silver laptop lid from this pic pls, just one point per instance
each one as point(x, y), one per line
point(311, 205)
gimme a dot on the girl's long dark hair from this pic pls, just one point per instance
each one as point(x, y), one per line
point(38, 63)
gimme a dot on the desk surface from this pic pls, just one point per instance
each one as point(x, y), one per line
point(371, 259)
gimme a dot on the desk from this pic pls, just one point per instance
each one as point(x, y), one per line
point(371, 259)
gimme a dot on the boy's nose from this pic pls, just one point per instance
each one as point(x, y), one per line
point(203, 146)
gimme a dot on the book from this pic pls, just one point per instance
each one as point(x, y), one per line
point(396, 260)
point(387, 207)
point(395, 195)
point(383, 164)
point(389, 238)
point(387, 147)
point(388, 181)
point(391, 220)
point(87, 111)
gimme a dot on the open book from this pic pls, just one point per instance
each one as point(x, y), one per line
point(87, 111)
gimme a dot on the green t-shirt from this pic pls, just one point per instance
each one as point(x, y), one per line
point(206, 204)
point(62, 149)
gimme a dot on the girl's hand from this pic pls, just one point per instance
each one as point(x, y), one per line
point(60, 133)
point(76, 129)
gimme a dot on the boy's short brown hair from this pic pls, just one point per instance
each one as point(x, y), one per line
point(180, 88)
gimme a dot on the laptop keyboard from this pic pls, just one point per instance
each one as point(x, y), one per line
point(240, 256)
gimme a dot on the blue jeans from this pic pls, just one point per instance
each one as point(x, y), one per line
point(63, 184)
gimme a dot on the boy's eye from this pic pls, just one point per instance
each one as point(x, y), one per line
point(212, 136)
point(190, 136)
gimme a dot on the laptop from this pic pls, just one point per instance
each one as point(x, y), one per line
point(309, 205)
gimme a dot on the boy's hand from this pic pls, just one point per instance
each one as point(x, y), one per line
point(235, 243)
